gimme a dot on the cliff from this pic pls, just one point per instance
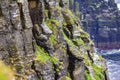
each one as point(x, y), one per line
point(43, 40)
point(101, 19)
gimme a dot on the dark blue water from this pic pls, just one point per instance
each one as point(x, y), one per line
point(113, 63)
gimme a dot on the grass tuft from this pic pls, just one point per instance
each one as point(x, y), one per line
point(43, 56)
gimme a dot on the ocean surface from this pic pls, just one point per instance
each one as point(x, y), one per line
point(113, 62)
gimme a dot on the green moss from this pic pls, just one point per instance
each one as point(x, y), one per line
point(58, 8)
point(43, 56)
point(69, 19)
point(69, 41)
point(69, 12)
point(46, 13)
point(59, 67)
point(84, 35)
point(86, 60)
point(78, 42)
point(88, 76)
point(51, 22)
point(68, 78)
point(98, 75)
point(61, 63)
point(52, 39)
point(53, 25)
point(75, 42)
point(64, 23)
point(97, 72)
point(5, 72)
point(101, 58)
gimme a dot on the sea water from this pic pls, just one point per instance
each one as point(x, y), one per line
point(113, 62)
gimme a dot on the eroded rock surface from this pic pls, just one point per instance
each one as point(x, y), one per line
point(43, 40)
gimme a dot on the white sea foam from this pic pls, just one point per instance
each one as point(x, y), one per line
point(106, 52)
point(113, 62)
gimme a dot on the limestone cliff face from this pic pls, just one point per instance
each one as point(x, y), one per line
point(43, 40)
point(101, 19)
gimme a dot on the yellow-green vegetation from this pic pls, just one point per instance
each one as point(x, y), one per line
point(60, 66)
point(84, 35)
point(69, 41)
point(75, 42)
point(86, 60)
point(70, 20)
point(43, 56)
point(68, 78)
point(5, 72)
point(68, 16)
point(52, 24)
point(52, 39)
point(98, 72)
point(98, 75)
point(45, 13)
point(58, 8)
point(69, 12)
point(91, 43)
point(64, 23)
point(87, 75)
point(78, 42)
point(82, 40)
point(101, 58)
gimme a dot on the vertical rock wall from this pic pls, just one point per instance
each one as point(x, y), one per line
point(43, 40)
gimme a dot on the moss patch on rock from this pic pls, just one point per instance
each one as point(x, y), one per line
point(69, 20)
point(68, 78)
point(98, 72)
point(5, 72)
point(69, 41)
point(88, 76)
point(43, 56)
point(53, 24)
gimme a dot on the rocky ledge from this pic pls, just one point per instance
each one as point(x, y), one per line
point(43, 40)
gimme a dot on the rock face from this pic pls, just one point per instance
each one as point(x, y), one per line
point(43, 40)
point(101, 19)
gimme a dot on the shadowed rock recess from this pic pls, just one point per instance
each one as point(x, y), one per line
point(43, 40)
